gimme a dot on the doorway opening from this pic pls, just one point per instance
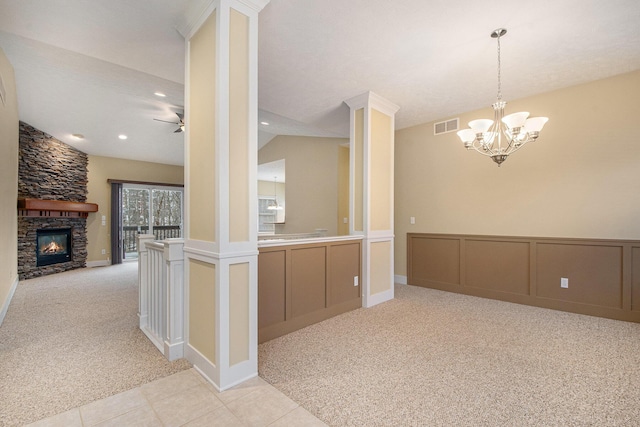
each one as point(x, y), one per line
point(147, 209)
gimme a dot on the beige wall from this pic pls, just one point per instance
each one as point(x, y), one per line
point(580, 179)
point(8, 184)
point(99, 191)
point(358, 174)
point(381, 171)
point(202, 131)
point(343, 190)
point(312, 181)
point(239, 313)
point(202, 308)
point(239, 127)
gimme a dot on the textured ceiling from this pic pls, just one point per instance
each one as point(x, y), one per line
point(92, 67)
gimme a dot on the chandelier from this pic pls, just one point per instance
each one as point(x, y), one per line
point(273, 204)
point(504, 135)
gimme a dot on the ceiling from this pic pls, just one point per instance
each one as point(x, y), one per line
point(92, 68)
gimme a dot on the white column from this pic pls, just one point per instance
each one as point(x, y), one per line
point(143, 277)
point(174, 330)
point(371, 192)
point(221, 250)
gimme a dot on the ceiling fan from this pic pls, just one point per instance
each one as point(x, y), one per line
point(180, 122)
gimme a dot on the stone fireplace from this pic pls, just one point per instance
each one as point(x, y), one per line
point(52, 208)
point(53, 246)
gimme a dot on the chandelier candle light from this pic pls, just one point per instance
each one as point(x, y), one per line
point(486, 136)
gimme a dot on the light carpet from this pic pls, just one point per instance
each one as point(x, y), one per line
point(432, 358)
point(71, 338)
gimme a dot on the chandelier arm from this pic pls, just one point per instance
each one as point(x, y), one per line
point(511, 142)
point(480, 150)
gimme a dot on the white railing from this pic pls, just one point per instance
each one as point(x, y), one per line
point(161, 293)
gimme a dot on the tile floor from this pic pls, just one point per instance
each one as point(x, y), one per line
point(186, 399)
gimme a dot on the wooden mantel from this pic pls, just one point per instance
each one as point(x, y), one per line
point(55, 208)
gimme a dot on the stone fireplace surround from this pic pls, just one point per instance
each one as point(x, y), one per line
point(49, 169)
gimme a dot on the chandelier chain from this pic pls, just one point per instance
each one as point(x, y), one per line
point(499, 72)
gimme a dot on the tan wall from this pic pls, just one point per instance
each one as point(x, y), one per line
point(312, 181)
point(380, 274)
point(239, 127)
point(358, 186)
point(381, 171)
point(239, 313)
point(99, 191)
point(9, 135)
point(580, 179)
point(343, 191)
point(202, 312)
point(202, 130)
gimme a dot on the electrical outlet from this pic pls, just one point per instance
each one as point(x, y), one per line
point(412, 220)
point(355, 280)
point(564, 282)
point(104, 251)
point(345, 220)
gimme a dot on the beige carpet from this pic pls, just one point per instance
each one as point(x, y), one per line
point(72, 338)
point(431, 358)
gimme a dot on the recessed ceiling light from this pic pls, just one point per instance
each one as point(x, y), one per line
point(77, 135)
point(160, 94)
point(264, 123)
point(122, 136)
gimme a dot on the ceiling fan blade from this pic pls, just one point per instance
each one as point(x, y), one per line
point(180, 116)
point(177, 130)
point(164, 121)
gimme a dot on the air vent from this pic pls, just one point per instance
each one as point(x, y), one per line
point(446, 126)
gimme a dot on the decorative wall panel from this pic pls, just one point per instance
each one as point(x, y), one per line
point(603, 276)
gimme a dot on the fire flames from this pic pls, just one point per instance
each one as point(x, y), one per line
point(52, 248)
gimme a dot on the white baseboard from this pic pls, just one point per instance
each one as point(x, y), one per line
point(378, 298)
point(202, 365)
point(5, 305)
point(173, 351)
point(400, 280)
point(101, 263)
point(154, 339)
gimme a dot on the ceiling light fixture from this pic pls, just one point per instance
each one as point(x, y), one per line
point(264, 123)
point(77, 135)
point(160, 94)
point(122, 136)
point(486, 136)
point(273, 204)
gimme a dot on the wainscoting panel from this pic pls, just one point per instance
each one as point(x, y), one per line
point(344, 266)
point(497, 266)
point(594, 273)
point(271, 288)
point(603, 275)
point(438, 260)
point(308, 280)
point(635, 279)
point(300, 284)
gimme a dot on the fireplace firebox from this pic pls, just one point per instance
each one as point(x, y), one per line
point(53, 246)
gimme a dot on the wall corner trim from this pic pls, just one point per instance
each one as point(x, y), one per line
point(5, 305)
point(399, 279)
